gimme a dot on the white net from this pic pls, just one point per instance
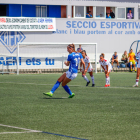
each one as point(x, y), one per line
point(42, 56)
point(8, 59)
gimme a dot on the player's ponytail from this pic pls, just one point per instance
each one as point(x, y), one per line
point(72, 46)
point(103, 55)
point(84, 52)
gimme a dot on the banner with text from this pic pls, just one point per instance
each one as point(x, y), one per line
point(27, 24)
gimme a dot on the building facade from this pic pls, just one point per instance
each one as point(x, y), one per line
point(74, 25)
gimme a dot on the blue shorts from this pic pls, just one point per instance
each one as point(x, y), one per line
point(71, 75)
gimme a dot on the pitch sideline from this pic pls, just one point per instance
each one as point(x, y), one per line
point(16, 132)
point(69, 85)
point(35, 131)
point(28, 130)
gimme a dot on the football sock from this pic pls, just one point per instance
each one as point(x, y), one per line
point(67, 89)
point(85, 78)
point(107, 80)
point(137, 82)
point(57, 84)
point(92, 78)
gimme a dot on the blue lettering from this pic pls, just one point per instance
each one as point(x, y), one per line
point(33, 61)
point(38, 62)
point(113, 24)
point(68, 24)
point(133, 25)
point(41, 20)
point(11, 38)
point(124, 25)
point(46, 61)
point(102, 24)
point(1, 62)
point(129, 24)
point(4, 63)
point(78, 24)
point(28, 62)
point(107, 24)
point(85, 22)
point(15, 61)
point(89, 24)
point(48, 20)
point(138, 32)
point(19, 60)
point(118, 32)
point(94, 24)
point(119, 25)
point(52, 62)
point(73, 24)
point(75, 31)
point(8, 62)
point(17, 37)
point(137, 25)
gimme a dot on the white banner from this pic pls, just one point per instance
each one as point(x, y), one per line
point(27, 24)
point(32, 62)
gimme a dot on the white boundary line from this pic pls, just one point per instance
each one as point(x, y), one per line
point(15, 132)
point(27, 130)
point(70, 85)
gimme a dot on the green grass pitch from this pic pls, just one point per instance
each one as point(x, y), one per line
point(95, 113)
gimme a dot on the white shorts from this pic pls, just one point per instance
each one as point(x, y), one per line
point(89, 69)
point(109, 69)
point(71, 75)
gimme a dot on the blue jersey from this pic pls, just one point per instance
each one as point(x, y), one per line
point(74, 59)
point(115, 56)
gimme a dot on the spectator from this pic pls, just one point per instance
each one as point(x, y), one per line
point(99, 15)
point(112, 14)
point(88, 15)
point(79, 49)
point(78, 14)
point(129, 15)
point(115, 59)
point(124, 57)
point(132, 60)
point(108, 15)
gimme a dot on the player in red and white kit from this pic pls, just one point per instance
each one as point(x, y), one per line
point(105, 64)
point(88, 68)
point(138, 68)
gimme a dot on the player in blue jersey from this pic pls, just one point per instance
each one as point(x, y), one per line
point(73, 62)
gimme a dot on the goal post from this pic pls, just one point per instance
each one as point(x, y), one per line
point(49, 55)
point(8, 59)
point(135, 46)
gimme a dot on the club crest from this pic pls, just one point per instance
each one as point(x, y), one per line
point(11, 39)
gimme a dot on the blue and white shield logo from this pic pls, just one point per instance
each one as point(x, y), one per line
point(10, 39)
